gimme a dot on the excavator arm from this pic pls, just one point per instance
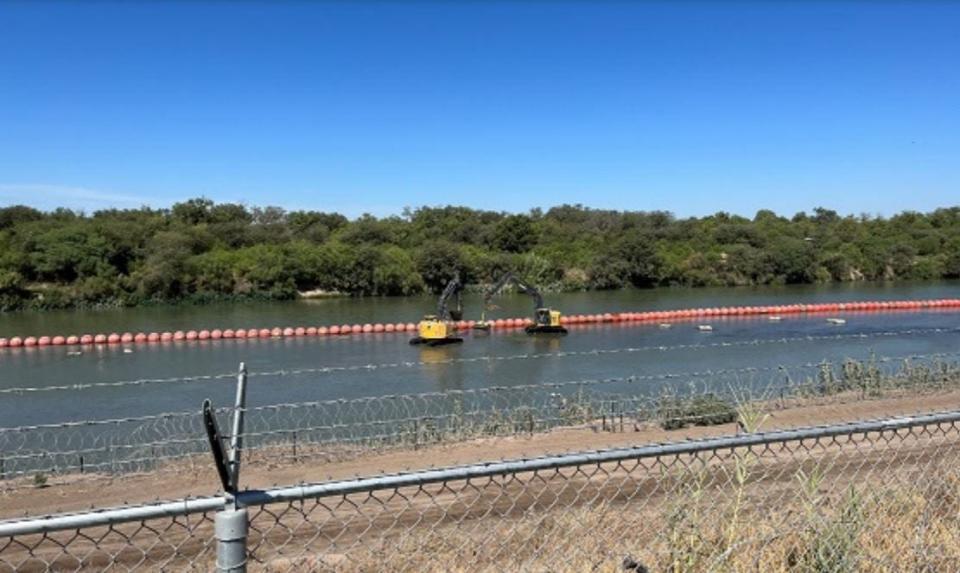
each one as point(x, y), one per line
point(453, 289)
point(508, 278)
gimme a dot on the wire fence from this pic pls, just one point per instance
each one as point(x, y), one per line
point(335, 429)
point(878, 495)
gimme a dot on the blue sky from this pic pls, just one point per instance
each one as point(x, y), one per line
point(691, 107)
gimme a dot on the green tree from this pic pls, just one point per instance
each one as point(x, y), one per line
point(515, 234)
point(438, 262)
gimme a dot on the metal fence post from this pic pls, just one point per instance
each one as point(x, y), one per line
point(230, 524)
point(236, 439)
point(230, 527)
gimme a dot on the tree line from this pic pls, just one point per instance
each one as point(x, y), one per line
point(200, 251)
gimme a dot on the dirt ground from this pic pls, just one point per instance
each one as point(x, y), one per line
point(196, 478)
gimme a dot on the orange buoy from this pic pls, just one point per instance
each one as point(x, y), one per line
point(16, 342)
point(99, 338)
point(299, 331)
point(276, 331)
point(203, 335)
point(366, 328)
point(179, 335)
point(286, 331)
point(166, 336)
point(30, 341)
point(113, 338)
point(346, 329)
point(191, 335)
point(311, 331)
point(389, 327)
point(4, 343)
point(43, 341)
point(216, 334)
point(378, 327)
point(334, 329)
point(323, 331)
point(356, 328)
point(58, 340)
point(126, 337)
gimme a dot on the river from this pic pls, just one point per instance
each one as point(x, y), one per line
point(416, 369)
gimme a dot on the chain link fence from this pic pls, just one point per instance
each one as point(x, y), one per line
point(866, 496)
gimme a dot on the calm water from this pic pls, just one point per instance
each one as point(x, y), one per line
point(52, 366)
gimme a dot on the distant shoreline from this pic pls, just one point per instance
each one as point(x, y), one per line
point(201, 252)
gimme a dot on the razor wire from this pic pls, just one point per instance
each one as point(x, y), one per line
point(293, 432)
point(877, 495)
point(25, 390)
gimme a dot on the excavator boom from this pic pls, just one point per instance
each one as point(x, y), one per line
point(454, 289)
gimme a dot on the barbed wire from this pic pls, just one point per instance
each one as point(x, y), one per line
point(488, 389)
point(480, 359)
point(346, 427)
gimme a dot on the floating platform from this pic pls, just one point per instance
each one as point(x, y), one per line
point(540, 329)
point(419, 340)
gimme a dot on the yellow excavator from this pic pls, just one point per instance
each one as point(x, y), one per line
point(545, 319)
point(439, 329)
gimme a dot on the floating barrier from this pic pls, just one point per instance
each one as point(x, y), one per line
point(657, 317)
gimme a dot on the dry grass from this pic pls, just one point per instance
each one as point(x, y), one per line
point(833, 514)
point(876, 531)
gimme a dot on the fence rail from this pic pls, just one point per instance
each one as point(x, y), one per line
point(875, 495)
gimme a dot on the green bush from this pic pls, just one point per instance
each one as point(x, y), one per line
point(200, 250)
point(705, 410)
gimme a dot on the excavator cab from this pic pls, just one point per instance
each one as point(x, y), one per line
point(546, 321)
point(439, 329)
point(431, 328)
